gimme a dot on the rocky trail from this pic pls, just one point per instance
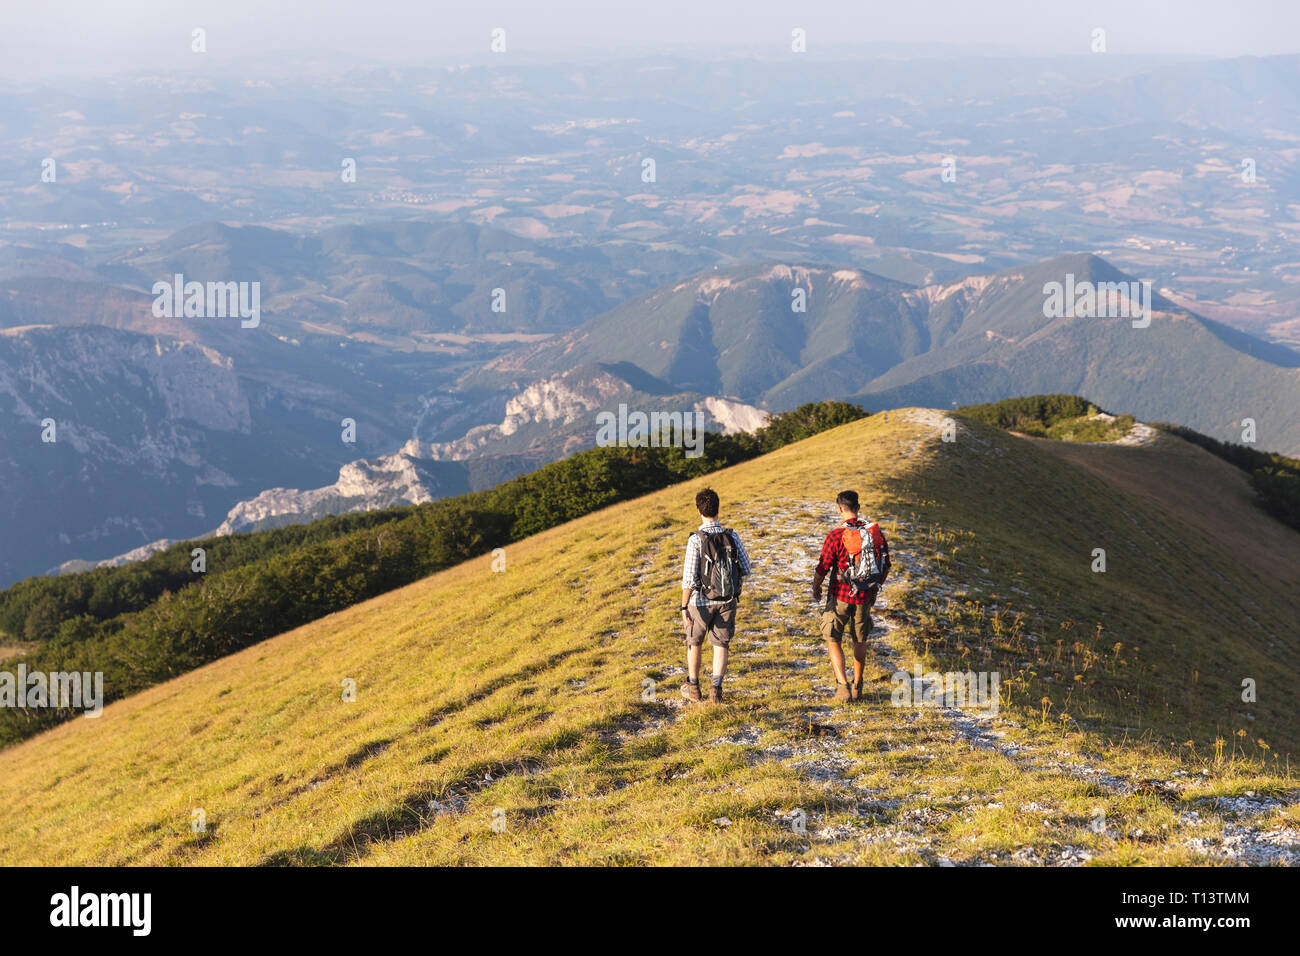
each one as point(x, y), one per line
point(927, 784)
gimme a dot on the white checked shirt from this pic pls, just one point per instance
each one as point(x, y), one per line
point(691, 565)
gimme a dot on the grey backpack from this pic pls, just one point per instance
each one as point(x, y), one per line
point(718, 572)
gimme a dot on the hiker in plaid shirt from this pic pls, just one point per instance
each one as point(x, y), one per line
point(847, 608)
point(701, 615)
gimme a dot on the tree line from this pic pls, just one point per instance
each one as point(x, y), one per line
point(152, 620)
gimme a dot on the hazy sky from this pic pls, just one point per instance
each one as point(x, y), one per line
point(52, 37)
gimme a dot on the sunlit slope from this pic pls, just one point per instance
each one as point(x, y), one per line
point(533, 715)
point(1201, 589)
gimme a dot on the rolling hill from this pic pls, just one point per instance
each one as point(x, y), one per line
point(531, 715)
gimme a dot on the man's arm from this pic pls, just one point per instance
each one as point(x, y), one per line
point(690, 564)
point(824, 565)
point(742, 555)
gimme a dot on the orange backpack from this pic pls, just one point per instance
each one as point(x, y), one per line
point(868, 557)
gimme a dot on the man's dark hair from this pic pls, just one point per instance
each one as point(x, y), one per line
point(706, 503)
point(848, 499)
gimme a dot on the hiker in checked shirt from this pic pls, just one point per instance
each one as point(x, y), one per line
point(856, 557)
point(714, 565)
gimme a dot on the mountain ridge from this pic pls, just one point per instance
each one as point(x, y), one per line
point(560, 734)
point(978, 339)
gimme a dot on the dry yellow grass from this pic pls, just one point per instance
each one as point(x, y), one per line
point(532, 716)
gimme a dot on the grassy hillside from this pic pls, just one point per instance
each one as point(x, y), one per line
point(1275, 478)
point(544, 699)
point(146, 622)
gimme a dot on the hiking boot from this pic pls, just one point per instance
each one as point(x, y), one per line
point(691, 691)
point(715, 694)
point(855, 691)
point(842, 692)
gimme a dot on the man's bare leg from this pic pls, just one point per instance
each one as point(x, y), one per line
point(693, 662)
point(859, 660)
point(719, 661)
point(837, 660)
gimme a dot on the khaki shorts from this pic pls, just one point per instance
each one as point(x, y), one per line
point(840, 618)
point(718, 621)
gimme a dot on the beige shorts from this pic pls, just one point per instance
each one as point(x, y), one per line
point(718, 621)
point(842, 618)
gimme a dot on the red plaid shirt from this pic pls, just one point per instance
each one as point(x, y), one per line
point(835, 559)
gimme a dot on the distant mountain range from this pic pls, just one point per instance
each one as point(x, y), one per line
point(169, 428)
point(389, 278)
point(528, 177)
point(978, 339)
